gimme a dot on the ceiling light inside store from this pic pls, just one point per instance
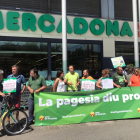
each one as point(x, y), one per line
point(53, 55)
point(18, 62)
point(41, 59)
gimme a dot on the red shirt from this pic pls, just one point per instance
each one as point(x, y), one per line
point(135, 80)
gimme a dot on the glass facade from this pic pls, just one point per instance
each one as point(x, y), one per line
point(81, 56)
point(85, 56)
point(26, 55)
point(30, 54)
point(125, 49)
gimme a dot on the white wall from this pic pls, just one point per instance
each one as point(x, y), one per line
point(108, 47)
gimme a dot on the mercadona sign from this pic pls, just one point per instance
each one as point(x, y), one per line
point(81, 26)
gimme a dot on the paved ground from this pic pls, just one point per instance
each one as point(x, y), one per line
point(107, 130)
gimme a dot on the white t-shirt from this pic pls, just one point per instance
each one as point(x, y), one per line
point(60, 87)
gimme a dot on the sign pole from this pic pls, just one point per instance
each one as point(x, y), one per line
point(64, 35)
point(135, 23)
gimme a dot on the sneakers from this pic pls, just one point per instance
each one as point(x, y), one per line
point(30, 123)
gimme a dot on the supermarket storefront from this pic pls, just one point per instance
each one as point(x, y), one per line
point(35, 40)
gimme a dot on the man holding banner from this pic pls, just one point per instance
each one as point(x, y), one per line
point(72, 80)
point(119, 79)
point(36, 84)
point(86, 75)
point(88, 83)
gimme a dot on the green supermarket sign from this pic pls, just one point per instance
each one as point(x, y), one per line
point(80, 26)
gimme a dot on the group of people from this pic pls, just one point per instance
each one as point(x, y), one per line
point(71, 80)
point(121, 78)
point(36, 83)
point(129, 77)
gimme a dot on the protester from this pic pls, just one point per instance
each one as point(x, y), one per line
point(110, 72)
point(59, 85)
point(1, 88)
point(86, 75)
point(36, 83)
point(105, 74)
point(19, 81)
point(135, 79)
point(129, 73)
point(72, 80)
point(126, 69)
point(119, 79)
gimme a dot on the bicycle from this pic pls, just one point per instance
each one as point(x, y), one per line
point(14, 121)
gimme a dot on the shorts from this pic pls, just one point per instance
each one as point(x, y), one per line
point(18, 104)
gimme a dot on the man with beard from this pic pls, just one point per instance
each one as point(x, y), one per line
point(36, 83)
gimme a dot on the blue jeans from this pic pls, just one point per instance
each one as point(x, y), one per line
point(31, 109)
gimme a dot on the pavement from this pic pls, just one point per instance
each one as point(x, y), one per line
point(106, 130)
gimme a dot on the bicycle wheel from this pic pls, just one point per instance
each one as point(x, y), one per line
point(15, 123)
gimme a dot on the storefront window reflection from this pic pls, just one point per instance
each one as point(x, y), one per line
point(127, 51)
point(26, 55)
point(85, 56)
point(82, 56)
point(22, 46)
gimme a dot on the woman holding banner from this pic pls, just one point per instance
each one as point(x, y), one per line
point(135, 79)
point(105, 74)
point(59, 85)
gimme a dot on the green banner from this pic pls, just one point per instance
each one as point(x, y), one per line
point(68, 108)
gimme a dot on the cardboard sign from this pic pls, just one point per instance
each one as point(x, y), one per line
point(118, 61)
point(107, 83)
point(88, 85)
point(9, 85)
